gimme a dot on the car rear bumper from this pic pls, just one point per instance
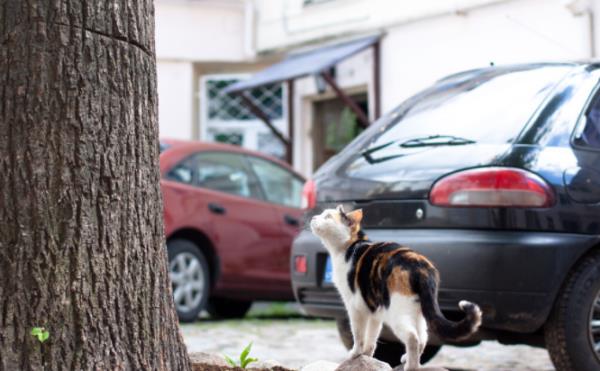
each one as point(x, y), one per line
point(513, 276)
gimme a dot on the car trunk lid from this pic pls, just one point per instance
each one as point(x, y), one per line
point(401, 174)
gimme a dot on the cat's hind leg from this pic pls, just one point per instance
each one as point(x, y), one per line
point(408, 336)
point(422, 333)
point(358, 325)
point(402, 317)
point(374, 324)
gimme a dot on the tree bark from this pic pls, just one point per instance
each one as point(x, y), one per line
point(82, 250)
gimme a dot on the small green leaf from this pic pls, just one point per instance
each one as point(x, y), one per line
point(36, 330)
point(40, 333)
point(230, 361)
point(247, 361)
point(245, 352)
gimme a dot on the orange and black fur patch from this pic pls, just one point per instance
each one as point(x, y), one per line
point(380, 269)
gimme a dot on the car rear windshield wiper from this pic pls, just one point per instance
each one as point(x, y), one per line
point(368, 152)
point(436, 140)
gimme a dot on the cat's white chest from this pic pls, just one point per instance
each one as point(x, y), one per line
point(340, 277)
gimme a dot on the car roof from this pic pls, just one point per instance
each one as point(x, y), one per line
point(467, 74)
point(186, 147)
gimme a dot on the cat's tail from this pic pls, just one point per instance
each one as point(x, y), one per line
point(443, 327)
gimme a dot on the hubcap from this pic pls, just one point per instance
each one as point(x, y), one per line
point(187, 279)
point(595, 326)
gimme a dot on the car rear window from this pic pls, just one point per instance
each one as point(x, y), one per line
point(488, 107)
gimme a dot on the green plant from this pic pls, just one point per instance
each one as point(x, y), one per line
point(40, 333)
point(244, 359)
point(339, 133)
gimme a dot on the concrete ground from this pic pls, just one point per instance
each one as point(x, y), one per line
point(279, 333)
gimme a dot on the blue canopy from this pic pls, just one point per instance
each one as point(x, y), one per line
point(306, 63)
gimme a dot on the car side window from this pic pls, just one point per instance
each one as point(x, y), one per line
point(183, 172)
point(280, 186)
point(588, 132)
point(225, 172)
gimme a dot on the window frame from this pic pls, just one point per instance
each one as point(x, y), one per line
point(594, 96)
point(264, 193)
point(250, 129)
point(193, 157)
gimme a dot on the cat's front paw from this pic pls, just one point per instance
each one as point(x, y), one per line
point(369, 351)
point(403, 359)
point(355, 352)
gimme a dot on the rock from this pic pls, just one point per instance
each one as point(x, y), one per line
point(401, 368)
point(268, 364)
point(363, 363)
point(320, 366)
point(208, 359)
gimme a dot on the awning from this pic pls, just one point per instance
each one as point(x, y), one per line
point(306, 63)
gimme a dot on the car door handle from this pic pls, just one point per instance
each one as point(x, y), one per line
point(216, 208)
point(290, 220)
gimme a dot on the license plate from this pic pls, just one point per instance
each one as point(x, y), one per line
point(328, 276)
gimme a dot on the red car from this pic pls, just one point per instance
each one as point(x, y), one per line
point(230, 217)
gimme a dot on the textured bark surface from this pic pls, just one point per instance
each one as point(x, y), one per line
point(81, 233)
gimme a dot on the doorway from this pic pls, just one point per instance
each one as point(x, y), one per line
point(334, 126)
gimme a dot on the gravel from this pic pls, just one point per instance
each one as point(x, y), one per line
point(294, 341)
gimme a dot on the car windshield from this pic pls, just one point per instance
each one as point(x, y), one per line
point(490, 107)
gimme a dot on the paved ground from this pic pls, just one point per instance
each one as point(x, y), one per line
point(278, 334)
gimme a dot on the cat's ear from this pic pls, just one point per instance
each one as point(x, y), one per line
point(340, 209)
point(355, 216)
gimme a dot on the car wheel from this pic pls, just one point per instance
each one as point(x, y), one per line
point(190, 278)
point(572, 332)
point(386, 351)
point(228, 308)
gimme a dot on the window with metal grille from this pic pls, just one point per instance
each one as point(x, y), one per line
point(222, 106)
point(225, 118)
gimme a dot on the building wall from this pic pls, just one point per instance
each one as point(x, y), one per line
point(416, 54)
point(209, 30)
point(188, 34)
point(175, 99)
point(282, 23)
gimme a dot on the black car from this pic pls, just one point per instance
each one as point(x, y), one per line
point(494, 174)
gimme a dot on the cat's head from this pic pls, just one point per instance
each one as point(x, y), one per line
point(337, 228)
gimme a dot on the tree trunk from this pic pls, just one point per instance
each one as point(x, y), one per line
point(82, 250)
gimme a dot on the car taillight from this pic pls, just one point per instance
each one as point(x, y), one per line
point(309, 195)
point(300, 264)
point(492, 187)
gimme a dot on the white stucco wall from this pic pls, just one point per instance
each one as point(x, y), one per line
point(289, 22)
point(210, 30)
point(175, 99)
point(190, 33)
point(416, 54)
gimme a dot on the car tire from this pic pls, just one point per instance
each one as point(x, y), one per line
point(386, 351)
point(222, 308)
point(568, 331)
point(190, 278)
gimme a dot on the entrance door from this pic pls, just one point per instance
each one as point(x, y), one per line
point(335, 125)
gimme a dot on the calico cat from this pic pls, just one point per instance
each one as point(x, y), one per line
point(383, 282)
